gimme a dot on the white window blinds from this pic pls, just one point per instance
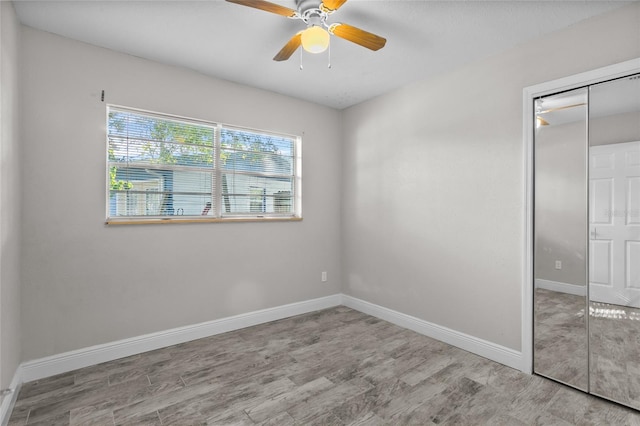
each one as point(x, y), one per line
point(167, 167)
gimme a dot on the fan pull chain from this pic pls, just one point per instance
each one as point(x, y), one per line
point(329, 65)
point(301, 68)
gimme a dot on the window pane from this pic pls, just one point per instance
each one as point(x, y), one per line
point(247, 151)
point(244, 204)
point(165, 192)
point(256, 194)
point(130, 125)
point(257, 142)
point(192, 205)
point(147, 140)
point(144, 152)
point(159, 166)
point(151, 203)
point(242, 161)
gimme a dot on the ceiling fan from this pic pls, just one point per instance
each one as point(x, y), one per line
point(315, 38)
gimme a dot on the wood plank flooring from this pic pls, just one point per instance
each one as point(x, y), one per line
point(332, 367)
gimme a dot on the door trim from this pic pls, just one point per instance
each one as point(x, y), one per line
point(528, 95)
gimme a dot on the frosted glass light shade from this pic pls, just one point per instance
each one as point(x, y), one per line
point(315, 39)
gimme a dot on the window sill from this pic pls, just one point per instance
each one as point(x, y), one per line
point(193, 220)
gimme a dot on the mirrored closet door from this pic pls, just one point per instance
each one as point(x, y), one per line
point(587, 239)
point(560, 238)
point(614, 240)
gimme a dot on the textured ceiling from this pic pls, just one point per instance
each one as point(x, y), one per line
point(237, 43)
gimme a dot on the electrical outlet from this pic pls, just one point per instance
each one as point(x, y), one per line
point(558, 264)
point(324, 276)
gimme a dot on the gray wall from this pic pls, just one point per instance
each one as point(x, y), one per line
point(433, 181)
point(10, 195)
point(617, 128)
point(86, 283)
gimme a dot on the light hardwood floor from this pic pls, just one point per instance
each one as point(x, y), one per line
point(332, 367)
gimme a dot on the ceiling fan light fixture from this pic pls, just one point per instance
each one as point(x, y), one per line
point(315, 39)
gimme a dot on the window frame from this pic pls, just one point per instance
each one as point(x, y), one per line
point(217, 171)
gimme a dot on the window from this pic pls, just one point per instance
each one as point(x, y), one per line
point(169, 168)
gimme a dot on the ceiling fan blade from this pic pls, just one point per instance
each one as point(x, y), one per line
point(358, 36)
point(288, 49)
point(561, 108)
point(267, 6)
point(542, 121)
point(330, 6)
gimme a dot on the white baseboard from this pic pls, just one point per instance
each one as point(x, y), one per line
point(576, 290)
point(69, 361)
point(9, 400)
point(492, 351)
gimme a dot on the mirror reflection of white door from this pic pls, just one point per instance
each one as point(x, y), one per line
point(614, 224)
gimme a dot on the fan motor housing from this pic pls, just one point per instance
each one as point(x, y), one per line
point(308, 5)
point(311, 13)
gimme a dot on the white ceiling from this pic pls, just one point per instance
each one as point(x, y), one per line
point(237, 43)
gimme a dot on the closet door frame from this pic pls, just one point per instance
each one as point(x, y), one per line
point(529, 94)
